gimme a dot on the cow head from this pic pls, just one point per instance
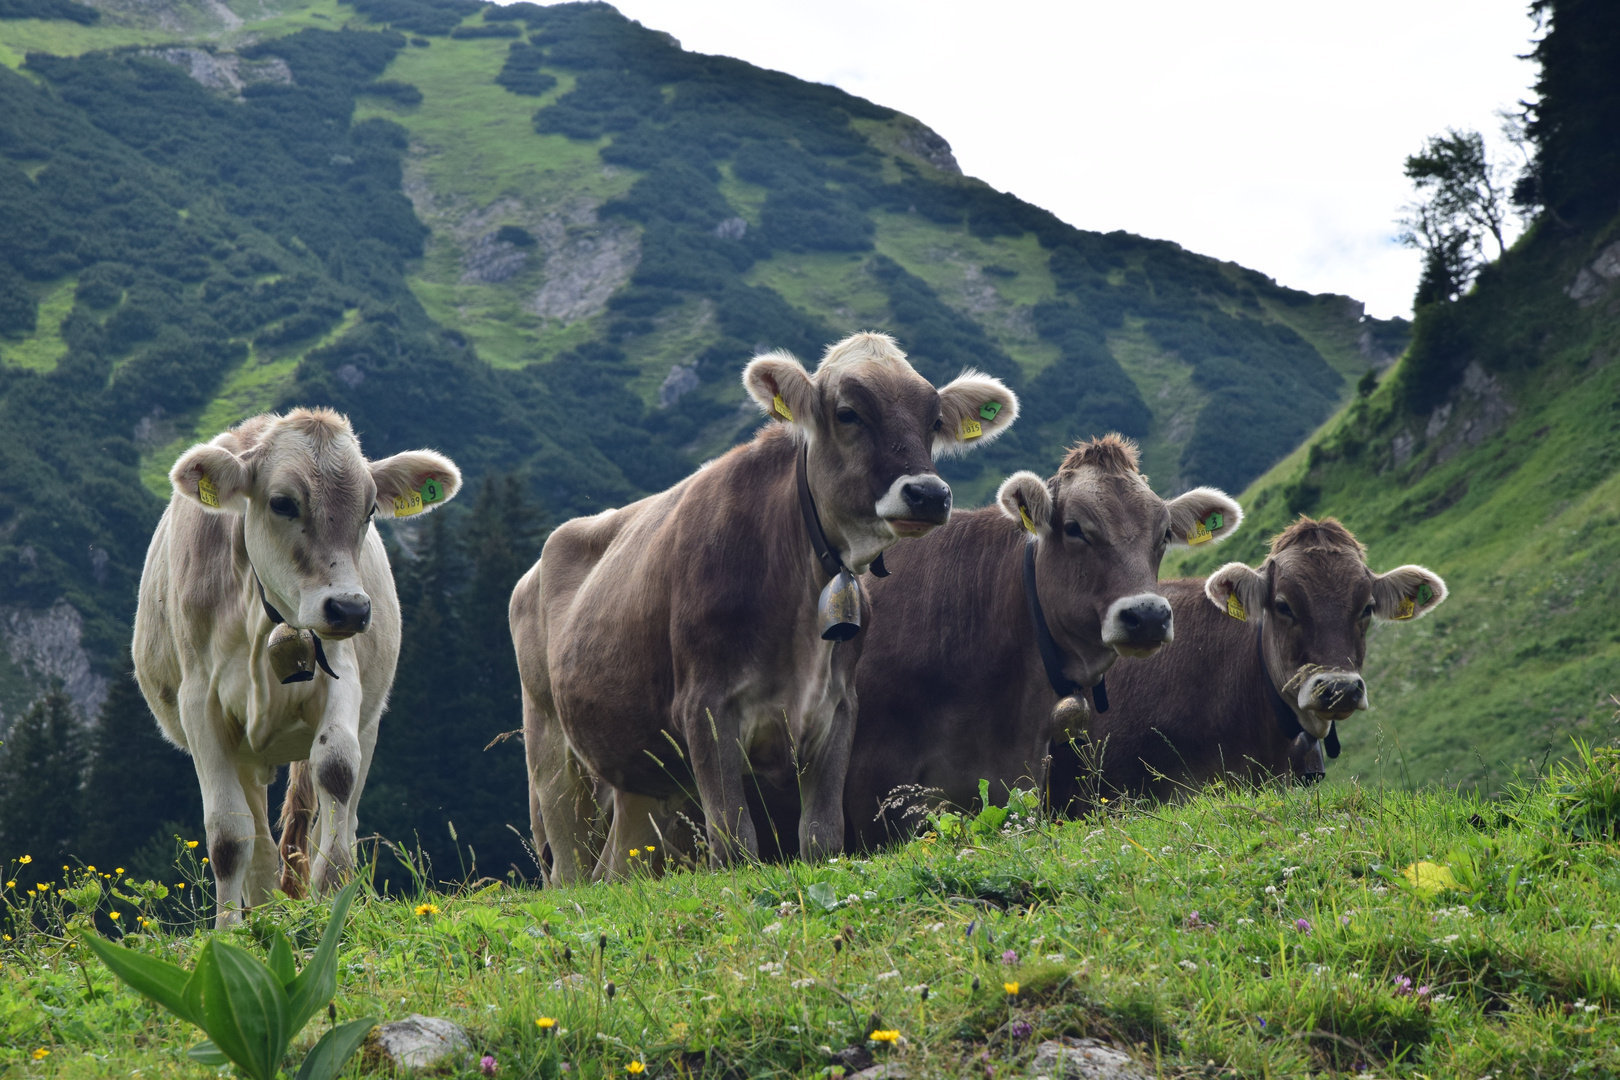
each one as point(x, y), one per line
point(873, 428)
point(1312, 602)
point(306, 494)
point(1100, 533)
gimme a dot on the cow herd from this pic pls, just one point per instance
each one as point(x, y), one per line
point(793, 651)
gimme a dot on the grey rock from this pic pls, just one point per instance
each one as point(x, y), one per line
point(585, 269)
point(416, 1042)
point(931, 146)
point(1083, 1059)
point(489, 261)
point(1593, 280)
point(885, 1071)
point(733, 228)
point(47, 645)
point(224, 72)
point(680, 381)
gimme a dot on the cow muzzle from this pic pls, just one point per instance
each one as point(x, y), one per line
point(1332, 695)
point(345, 616)
point(915, 504)
point(1137, 626)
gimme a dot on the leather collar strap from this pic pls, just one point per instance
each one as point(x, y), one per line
point(827, 555)
point(276, 619)
point(1062, 686)
point(1287, 719)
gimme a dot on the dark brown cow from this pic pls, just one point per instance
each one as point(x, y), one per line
point(676, 642)
point(1265, 663)
point(953, 686)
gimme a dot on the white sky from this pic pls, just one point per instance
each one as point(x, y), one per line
point(1269, 132)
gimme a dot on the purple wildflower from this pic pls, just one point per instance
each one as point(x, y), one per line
point(1193, 921)
point(1424, 991)
point(1302, 925)
point(487, 1065)
point(1009, 958)
point(1403, 986)
point(1020, 1029)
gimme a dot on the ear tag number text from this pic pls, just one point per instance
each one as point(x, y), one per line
point(207, 493)
point(970, 429)
point(1425, 594)
point(989, 409)
point(407, 504)
point(1234, 608)
point(1023, 515)
point(1408, 608)
point(781, 407)
point(432, 491)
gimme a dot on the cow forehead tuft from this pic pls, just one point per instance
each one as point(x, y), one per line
point(1318, 534)
point(1111, 453)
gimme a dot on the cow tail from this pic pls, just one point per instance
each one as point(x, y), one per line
point(297, 815)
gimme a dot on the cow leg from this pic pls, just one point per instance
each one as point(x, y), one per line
point(227, 815)
point(633, 830)
point(559, 798)
point(712, 739)
point(821, 785)
point(335, 760)
point(264, 862)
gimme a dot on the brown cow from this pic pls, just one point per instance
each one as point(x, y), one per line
point(1266, 662)
point(679, 638)
point(954, 686)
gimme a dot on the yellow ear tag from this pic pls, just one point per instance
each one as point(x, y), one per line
point(1234, 608)
point(207, 493)
point(1023, 515)
point(970, 429)
point(1200, 534)
point(781, 407)
point(1408, 608)
point(407, 504)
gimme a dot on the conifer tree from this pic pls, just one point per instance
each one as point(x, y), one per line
point(41, 764)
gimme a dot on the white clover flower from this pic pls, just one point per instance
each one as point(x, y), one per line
point(774, 928)
point(1055, 957)
point(800, 984)
point(936, 928)
point(1271, 890)
point(885, 976)
point(771, 968)
point(1190, 965)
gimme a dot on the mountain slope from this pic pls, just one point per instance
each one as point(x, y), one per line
point(1492, 456)
point(543, 239)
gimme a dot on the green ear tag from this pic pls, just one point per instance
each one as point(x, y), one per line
point(989, 409)
point(1215, 521)
point(1424, 594)
point(432, 491)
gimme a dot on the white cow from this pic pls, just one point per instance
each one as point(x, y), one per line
point(271, 523)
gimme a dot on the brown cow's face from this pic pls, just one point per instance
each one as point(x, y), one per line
point(1312, 606)
point(306, 495)
point(874, 427)
point(1100, 536)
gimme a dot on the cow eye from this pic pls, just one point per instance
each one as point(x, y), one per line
point(1284, 610)
point(1366, 612)
point(1072, 528)
point(1168, 536)
point(282, 506)
point(848, 416)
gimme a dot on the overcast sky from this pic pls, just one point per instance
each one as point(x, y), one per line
point(1270, 132)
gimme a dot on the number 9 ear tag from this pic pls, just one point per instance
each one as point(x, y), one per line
point(1023, 515)
point(432, 491)
point(1234, 608)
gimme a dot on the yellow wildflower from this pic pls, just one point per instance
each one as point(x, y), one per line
point(651, 848)
point(115, 915)
point(119, 870)
point(43, 888)
point(545, 1023)
point(179, 884)
point(91, 869)
point(8, 937)
point(40, 1054)
point(11, 884)
point(1011, 988)
point(190, 844)
point(884, 1036)
point(635, 1068)
point(205, 860)
point(25, 860)
point(427, 909)
point(635, 852)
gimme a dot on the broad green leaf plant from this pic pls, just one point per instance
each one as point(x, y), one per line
point(251, 1011)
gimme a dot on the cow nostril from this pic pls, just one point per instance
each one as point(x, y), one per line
point(348, 614)
point(1131, 620)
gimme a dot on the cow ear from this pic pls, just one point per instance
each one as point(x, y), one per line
point(782, 389)
point(213, 478)
point(414, 481)
point(974, 409)
point(1026, 499)
point(1237, 589)
point(1407, 592)
point(1203, 515)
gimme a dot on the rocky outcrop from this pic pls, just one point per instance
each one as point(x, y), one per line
point(1594, 280)
point(224, 72)
point(1474, 411)
point(588, 267)
point(47, 645)
point(1083, 1059)
point(416, 1042)
point(928, 144)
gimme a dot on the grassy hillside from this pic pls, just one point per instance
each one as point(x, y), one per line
point(598, 225)
point(1492, 456)
point(1348, 931)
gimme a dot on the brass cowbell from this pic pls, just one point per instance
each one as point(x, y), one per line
point(840, 607)
point(292, 655)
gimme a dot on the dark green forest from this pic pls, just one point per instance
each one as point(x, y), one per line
point(200, 230)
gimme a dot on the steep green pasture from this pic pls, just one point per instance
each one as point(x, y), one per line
point(1241, 934)
point(1523, 523)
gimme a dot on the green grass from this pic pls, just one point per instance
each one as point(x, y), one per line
point(1175, 931)
point(41, 350)
point(1165, 382)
